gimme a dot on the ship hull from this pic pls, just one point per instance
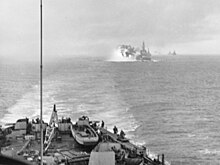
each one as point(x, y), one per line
point(141, 58)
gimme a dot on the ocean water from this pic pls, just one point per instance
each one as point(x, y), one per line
point(171, 104)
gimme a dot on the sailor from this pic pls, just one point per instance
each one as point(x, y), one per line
point(122, 134)
point(103, 124)
point(94, 126)
point(115, 129)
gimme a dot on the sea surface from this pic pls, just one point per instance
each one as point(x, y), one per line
point(171, 104)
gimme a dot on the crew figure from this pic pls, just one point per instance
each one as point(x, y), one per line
point(103, 124)
point(95, 126)
point(115, 129)
point(122, 134)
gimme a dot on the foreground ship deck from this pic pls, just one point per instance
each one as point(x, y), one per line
point(60, 147)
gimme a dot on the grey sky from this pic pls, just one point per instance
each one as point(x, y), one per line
point(96, 27)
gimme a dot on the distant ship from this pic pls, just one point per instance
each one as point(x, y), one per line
point(174, 53)
point(127, 51)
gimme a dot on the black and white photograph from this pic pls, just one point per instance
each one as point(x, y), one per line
point(109, 82)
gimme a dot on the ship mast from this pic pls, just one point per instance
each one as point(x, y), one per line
point(143, 46)
point(41, 83)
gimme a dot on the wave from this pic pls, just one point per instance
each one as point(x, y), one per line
point(210, 151)
point(29, 106)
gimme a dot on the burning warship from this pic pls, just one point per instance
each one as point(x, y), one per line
point(127, 51)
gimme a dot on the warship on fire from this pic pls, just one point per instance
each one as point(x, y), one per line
point(129, 52)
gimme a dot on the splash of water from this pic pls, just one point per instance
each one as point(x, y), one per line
point(116, 56)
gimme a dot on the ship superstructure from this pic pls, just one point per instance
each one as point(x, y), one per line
point(172, 53)
point(127, 51)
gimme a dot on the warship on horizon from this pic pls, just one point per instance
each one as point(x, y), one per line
point(127, 51)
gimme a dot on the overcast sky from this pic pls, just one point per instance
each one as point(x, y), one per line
point(96, 27)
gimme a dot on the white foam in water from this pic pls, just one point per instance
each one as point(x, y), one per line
point(29, 106)
point(117, 57)
point(111, 110)
point(138, 143)
point(120, 118)
point(153, 60)
point(25, 107)
point(210, 152)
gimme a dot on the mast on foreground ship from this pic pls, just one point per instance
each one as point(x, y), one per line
point(41, 82)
